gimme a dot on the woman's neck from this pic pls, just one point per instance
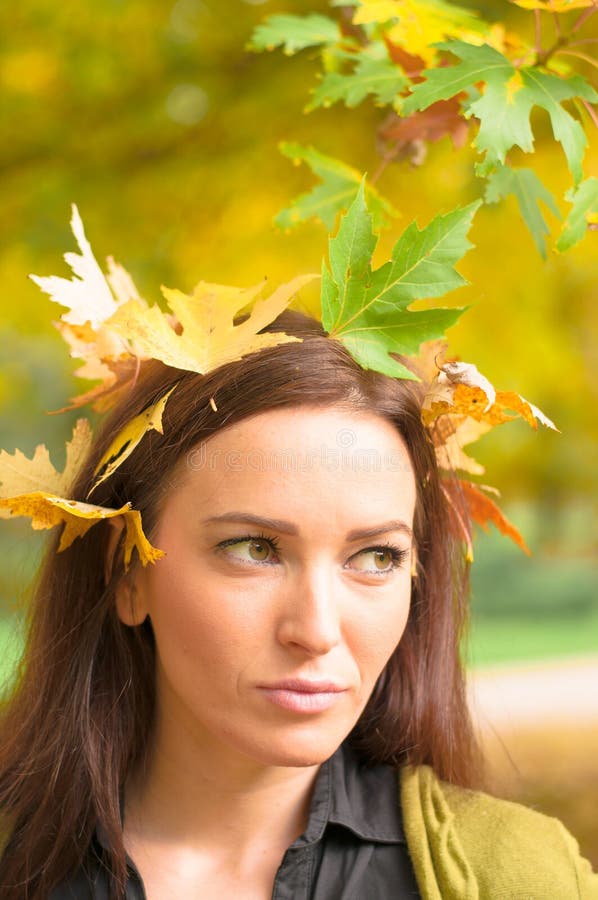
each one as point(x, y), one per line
point(198, 794)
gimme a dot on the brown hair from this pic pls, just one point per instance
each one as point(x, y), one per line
point(79, 717)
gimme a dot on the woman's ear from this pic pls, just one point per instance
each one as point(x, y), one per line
point(128, 596)
point(130, 607)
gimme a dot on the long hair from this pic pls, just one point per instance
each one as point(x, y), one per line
point(79, 718)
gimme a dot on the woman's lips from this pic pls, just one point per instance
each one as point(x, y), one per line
point(303, 696)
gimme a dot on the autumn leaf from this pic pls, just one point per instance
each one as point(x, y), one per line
point(34, 488)
point(417, 25)
point(407, 135)
point(113, 330)
point(427, 361)
point(88, 294)
point(583, 213)
point(505, 106)
point(483, 510)
point(529, 192)
point(555, 6)
point(150, 419)
point(294, 33)
point(19, 475)
point(209, 336)
point(337, 190)
point(47, 510)
point(366, 309)
point(106, 359)
point(449, 435)
point(468, 393)
point(401, 57)
point(451, 432)
point(468, 502)
point(91, 298)
point(455, 372)
point(117, 377)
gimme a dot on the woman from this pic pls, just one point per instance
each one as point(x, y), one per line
point(230, 721)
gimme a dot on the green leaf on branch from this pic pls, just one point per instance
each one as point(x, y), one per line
point(505, 106)
point(337, 190)
point(294, 33)
point(379, 77)
point(366, 309)
point(583, 214)
point(529, 192)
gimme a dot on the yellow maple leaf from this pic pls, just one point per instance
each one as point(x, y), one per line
point(129, 437)
point(209, 338)
point(555, 6)
point(113, 330)
point(19, 475)
point(47, 510)
point(33, 487)
point(416, 25)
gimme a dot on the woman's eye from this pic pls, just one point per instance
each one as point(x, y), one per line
point(379, 559)
point(250, 549)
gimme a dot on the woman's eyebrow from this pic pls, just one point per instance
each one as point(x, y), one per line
point(356, 534)
point(251, 519)
point(359, 534)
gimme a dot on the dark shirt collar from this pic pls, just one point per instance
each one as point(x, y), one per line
point(363, 799)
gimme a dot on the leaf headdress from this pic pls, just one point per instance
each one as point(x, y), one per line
point(113, 330)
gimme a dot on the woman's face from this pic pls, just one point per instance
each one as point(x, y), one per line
point(286, 582)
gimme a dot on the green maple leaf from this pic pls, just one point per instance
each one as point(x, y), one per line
point(379, 77)
point(294, 33)
point(583, 213)
point(507, 102)
point(338, 187)
point(366, 309)
point(529, 192)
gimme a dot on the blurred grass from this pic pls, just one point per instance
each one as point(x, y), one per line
point(515, 639)
point(539, 607)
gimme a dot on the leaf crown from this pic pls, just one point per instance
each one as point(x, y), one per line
point(111, 329)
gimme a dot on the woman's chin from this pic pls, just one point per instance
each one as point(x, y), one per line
point(293, 750)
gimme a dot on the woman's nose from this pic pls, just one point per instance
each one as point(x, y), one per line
point(310, 614)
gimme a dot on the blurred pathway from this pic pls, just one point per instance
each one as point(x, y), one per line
point(535, 694)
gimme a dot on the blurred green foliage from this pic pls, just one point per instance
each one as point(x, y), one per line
point(153, 118)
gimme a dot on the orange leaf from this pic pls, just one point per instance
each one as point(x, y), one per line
point(431, 124)
point(460, 389)
point(483, 510)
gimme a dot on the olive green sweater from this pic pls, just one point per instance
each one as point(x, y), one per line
point(466, 845)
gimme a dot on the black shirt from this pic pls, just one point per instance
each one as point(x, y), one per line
point(353, 847)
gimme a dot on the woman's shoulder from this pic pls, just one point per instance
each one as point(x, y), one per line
point(472, 846)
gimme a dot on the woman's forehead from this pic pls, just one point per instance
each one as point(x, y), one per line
point(311, 427)
point(343, 463)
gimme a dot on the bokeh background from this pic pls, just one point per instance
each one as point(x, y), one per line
point(154, 119)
